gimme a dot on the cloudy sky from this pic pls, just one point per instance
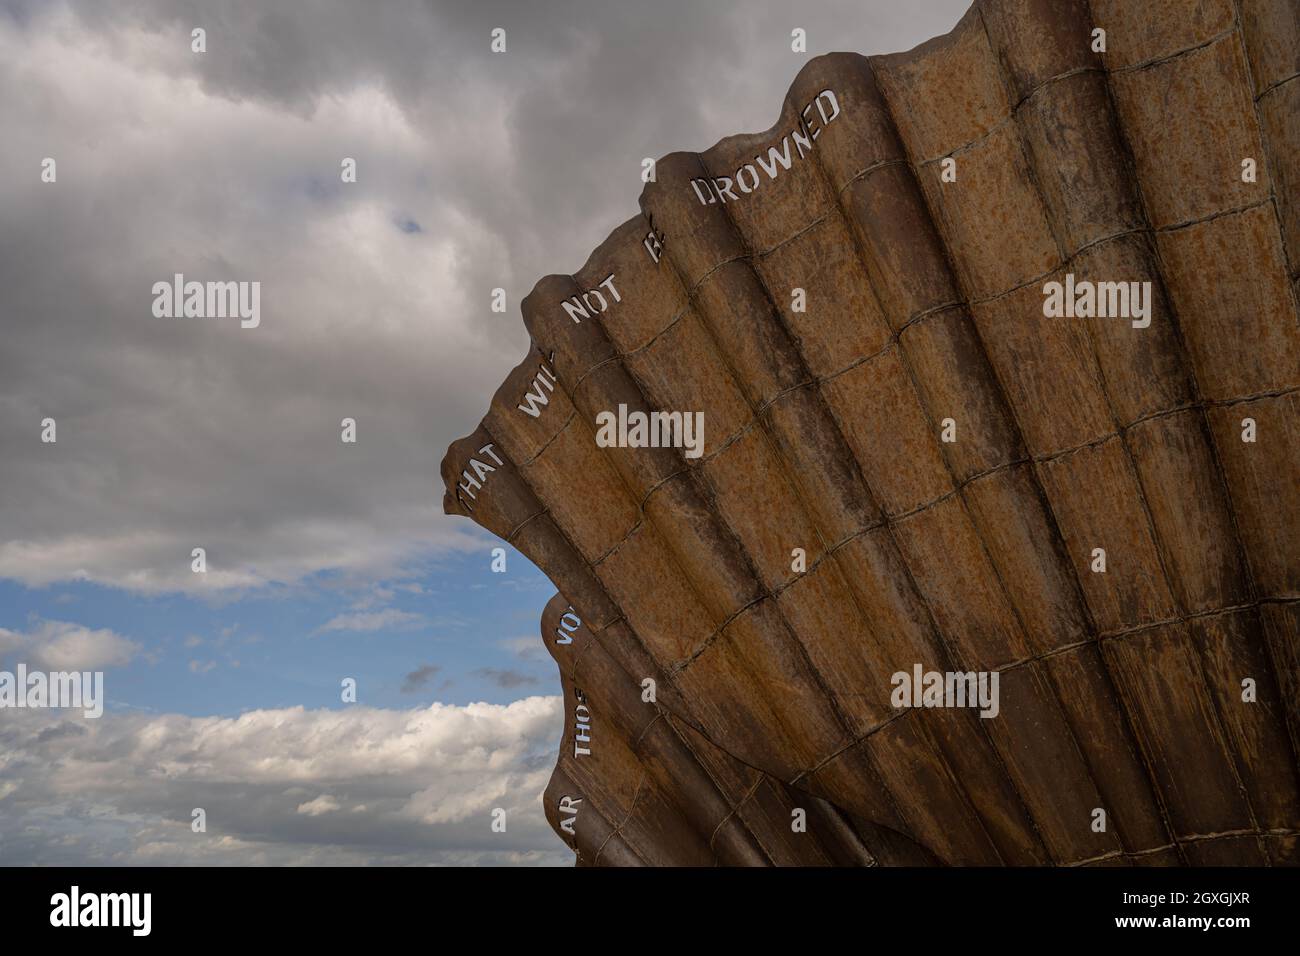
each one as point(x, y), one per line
point(325, 560)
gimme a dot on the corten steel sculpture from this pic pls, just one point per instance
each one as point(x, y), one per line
point(1101, 508)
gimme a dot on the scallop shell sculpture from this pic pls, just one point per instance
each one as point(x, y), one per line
point(996, 348)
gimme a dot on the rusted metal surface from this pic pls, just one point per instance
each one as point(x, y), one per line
point(1120, 691)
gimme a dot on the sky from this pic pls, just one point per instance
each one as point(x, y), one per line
point(325, 560)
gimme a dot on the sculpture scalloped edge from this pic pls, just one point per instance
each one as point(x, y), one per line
point(909, 466)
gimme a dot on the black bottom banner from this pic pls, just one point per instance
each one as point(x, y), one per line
point(908, 905)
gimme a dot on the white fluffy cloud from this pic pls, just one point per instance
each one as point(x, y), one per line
point(64, 646)
point(322, 804)
point(358, 785)
point(373, 620)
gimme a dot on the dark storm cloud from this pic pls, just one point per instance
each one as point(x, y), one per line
point(419, 678)
point(505, 677)
point(475, 170)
